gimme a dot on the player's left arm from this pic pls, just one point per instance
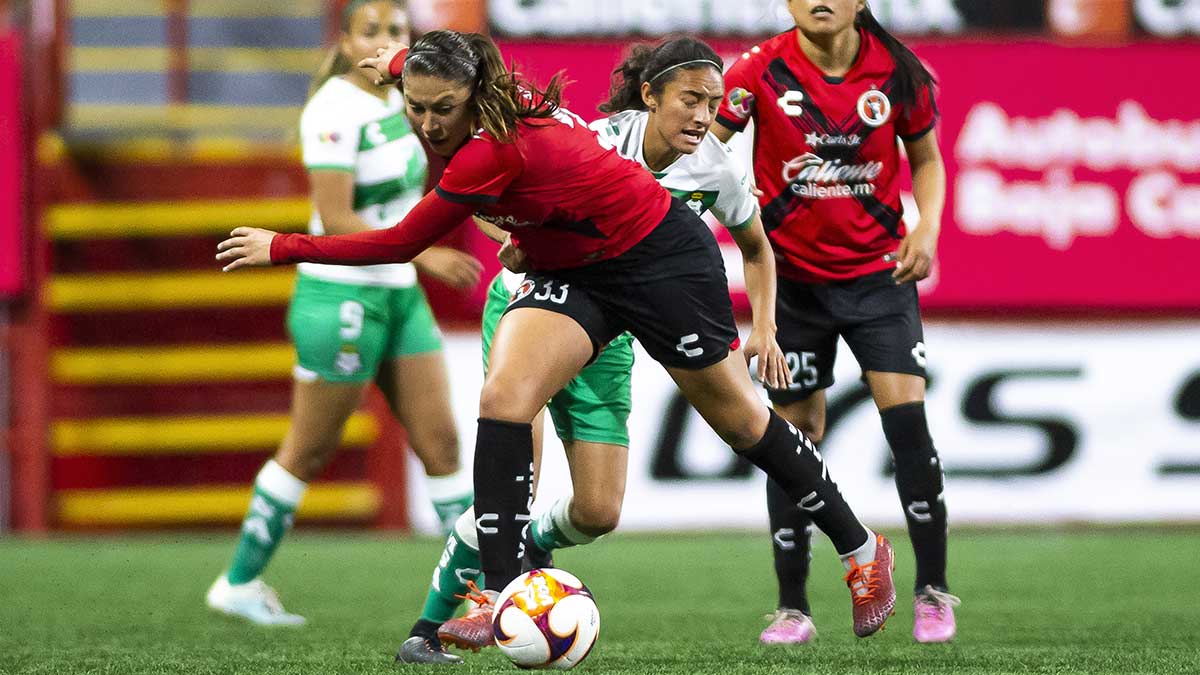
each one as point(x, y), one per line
point(758, 262)
point(737, 209)
point(914, 258)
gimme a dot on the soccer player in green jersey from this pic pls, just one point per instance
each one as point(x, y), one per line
point(355, 325)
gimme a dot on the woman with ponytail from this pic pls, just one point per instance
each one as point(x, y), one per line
point(354, 325)
point(663, 101)
point(829, 101)
point(608, 250)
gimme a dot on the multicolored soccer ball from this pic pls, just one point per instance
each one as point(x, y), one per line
point(546, 619)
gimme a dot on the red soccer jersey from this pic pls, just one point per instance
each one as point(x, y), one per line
point(825, 154)
point(567, 200)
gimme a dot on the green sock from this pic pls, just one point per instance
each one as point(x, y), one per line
point(276, 494)
point(451, 496)
point(458, 565)
point(552, 529)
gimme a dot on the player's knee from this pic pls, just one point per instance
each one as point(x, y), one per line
point(500, 402)
point(809, 419)
point(743, 431)
point(437, 449)
point(596, 516)
point(305, 458)
point(918, 468)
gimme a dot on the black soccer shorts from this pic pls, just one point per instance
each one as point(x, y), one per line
point(669, 291)
point(880, 321)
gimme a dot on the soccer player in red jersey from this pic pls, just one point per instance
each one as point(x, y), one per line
point(829, 100)
point(610, 250)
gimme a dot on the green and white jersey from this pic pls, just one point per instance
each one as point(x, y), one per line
point(344, 128)
point(709, 179)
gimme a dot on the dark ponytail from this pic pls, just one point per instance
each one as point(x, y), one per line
point(499, 97)
point(658, 65)
point(913, 76)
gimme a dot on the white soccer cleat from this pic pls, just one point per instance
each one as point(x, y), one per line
point(254, 601)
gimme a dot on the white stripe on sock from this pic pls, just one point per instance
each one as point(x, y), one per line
point(450, 488)
point(275, 480)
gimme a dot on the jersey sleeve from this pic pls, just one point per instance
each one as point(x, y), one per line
point(480, 171)
point(736, 204)
point(328, 140)
point(918, 119)
point(606, 130)
point(430, 220)
point(737, 108)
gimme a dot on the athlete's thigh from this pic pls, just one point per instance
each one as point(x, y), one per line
point(339, 330)
point(549, 332)
point(885, 333)
point(725, 397)
point(418, 389)
point(808, 337)
point(594, 406)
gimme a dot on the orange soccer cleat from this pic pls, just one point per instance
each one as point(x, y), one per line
point(871, 589)
point(473, 630)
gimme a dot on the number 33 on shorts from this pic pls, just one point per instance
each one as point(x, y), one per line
point(543, 290)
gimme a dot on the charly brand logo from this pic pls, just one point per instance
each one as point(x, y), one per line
point(815, 140)
point(811, 175)
point(685, 346)
point(874, 108)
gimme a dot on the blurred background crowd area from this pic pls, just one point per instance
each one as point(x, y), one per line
point(1065, 310)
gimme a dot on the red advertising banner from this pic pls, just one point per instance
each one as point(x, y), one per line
point(1074, 172)
point(11, 194)
point(1074, 176)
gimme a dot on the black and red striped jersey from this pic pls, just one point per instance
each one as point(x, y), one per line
point(825, 154)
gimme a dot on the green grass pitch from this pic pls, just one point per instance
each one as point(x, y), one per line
point(1106, 601)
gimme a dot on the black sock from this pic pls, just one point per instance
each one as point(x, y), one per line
point(919, 482)
point(426, 629)
point(790, 459)
point(503, 493)
point(791, 543)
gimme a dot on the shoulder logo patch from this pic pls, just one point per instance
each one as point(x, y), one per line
point(741, 102)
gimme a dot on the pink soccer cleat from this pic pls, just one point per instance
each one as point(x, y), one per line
point(788, 627)
point(871, 589)
point(933, 619)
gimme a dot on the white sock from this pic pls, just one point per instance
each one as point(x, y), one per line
point(560, 514)
point(863, 554)
point(449, 488)
point(276, 481)
point(464, 527)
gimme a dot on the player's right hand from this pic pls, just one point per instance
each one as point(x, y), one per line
point(380, 62)
point(512, 257)
point(246, 247)
point(450, 266)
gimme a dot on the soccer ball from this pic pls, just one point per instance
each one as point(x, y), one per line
point(546, 619)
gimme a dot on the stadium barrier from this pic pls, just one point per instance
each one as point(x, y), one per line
point(1035, 422)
